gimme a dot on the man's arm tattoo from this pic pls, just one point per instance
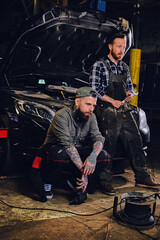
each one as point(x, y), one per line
point(75, 157)
point(97, 148)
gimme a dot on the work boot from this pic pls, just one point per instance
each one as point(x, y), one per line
point(148, 184)
point(108, 189)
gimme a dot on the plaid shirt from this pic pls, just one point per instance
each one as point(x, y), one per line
point(99, 77)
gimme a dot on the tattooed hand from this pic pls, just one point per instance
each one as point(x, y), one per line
point(82, 183)
point(90, 162)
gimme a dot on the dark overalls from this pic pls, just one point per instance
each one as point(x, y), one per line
point(120, 122)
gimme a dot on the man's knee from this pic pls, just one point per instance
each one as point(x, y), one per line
point(104, 156)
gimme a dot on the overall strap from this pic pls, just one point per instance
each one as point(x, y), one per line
point(125, 66)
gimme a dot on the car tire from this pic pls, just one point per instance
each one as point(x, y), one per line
point(5, 149)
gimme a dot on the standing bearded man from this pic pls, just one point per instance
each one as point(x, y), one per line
point(110, 78)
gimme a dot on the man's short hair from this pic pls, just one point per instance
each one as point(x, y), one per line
point(114, 36)
point(86, 92)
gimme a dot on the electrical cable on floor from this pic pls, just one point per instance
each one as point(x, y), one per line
point(88, 215)
point(158, 218)
point(55, 210)
point(138, 230)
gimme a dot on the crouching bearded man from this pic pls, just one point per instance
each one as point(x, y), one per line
point(73, 151)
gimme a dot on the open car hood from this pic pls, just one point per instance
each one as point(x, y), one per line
point(60, 44)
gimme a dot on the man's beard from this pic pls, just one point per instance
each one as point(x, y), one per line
point(115, 57)
point(82, 117)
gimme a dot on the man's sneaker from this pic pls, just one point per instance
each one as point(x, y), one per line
point(108, 189)
point(148, 184)
point(47, 188)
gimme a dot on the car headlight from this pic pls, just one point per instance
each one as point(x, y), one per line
point(34, 110)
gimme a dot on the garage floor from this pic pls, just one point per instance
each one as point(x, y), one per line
point(23, 217)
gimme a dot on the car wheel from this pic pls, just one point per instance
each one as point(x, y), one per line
point(5, 150)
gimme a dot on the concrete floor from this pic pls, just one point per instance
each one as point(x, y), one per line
point(23, 217)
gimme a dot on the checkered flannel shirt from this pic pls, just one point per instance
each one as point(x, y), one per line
point(99, 77)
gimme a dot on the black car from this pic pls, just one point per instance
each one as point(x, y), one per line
point(50, 57)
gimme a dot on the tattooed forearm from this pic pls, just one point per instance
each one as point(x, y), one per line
point(75, 157)
point(97, 148)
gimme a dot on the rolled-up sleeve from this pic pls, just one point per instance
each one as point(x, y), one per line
point(95, 78)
